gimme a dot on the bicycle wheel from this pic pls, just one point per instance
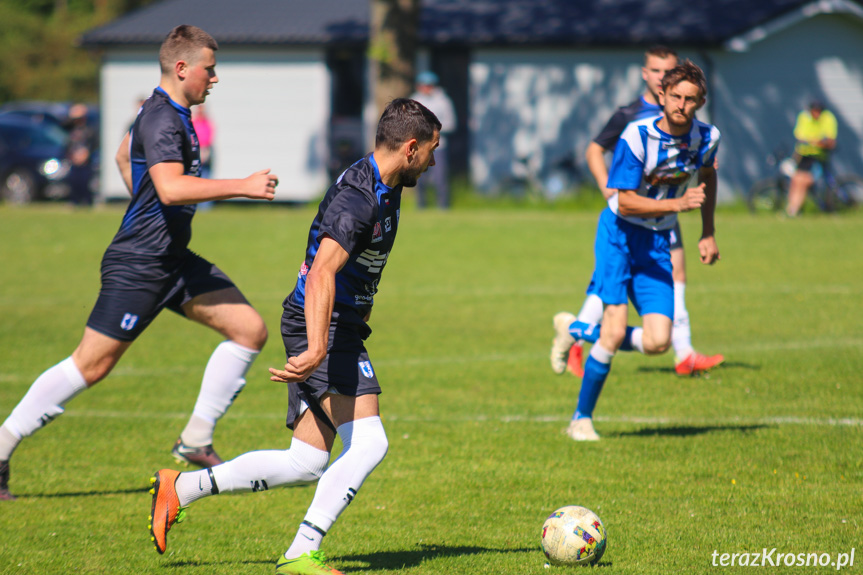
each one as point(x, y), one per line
point(848, 193)
point(766, 196)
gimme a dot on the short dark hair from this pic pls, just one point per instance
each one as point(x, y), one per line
point(659, 51)
point(183, 43)
point(404, 119)
point(686, 71)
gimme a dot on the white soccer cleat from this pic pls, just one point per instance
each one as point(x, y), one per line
point(562, 341)
point(582, 430)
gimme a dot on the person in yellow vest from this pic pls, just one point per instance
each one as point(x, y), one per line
point(815, 133)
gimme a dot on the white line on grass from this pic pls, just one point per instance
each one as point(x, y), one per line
point(480, 418)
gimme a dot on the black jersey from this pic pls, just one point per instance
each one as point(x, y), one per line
point(361, 213)
point(162, 132)
point(637, 110)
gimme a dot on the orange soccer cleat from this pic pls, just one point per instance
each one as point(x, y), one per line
point(696, 363)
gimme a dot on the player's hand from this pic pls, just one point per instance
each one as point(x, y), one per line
point(708, 250)
point(299, 368)
point(261, 185)
point(692, 199)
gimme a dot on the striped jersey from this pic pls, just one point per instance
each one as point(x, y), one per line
point(658, 165)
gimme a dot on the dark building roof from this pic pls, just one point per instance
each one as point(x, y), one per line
point(458, 22)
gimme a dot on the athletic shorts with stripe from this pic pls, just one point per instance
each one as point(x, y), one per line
point(346, 370)
point(135, 290)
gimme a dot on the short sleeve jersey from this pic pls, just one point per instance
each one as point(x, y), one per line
point(658, 165)
point(808, 129)
point(637, 110)
point(361, 213)
point(162, 132)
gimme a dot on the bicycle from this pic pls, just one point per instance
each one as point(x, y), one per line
point(829, 193)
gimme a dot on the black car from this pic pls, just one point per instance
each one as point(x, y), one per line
point(32, 160)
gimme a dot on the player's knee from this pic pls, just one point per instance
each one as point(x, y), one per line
point(372, 443)
point(612, 336)
point(251, 333)
point(656, 346)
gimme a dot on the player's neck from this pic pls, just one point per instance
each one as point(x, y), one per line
point(650, 98)
point(174, 92)
point(389, 167)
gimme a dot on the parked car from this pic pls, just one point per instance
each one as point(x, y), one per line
point(32, 160)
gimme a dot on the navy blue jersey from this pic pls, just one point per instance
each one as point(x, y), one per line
point(361, 213)
point(162, 132)
point(637, 110)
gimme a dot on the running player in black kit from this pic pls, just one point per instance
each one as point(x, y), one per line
point(331, 382)
point(149, 267)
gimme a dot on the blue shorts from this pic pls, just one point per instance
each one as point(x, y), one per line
point(676, 242)
point(632, 263)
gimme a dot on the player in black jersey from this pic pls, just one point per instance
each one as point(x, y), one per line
point(149, 267)
point(332, 385)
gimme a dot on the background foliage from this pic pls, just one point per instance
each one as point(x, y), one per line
point(40, 58)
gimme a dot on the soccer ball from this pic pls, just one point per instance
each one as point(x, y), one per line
point(573, 535)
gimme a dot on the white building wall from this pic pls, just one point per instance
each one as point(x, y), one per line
point(759, 93)
point(544, 104)
point(270, 109)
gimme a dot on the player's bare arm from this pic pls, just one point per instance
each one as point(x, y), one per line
point(124, 163)
point(320, 299)
point(175, 188)
point(631, 204)
point(595, 156)
point(707, 247)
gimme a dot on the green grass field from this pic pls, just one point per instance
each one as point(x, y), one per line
point(764, 452)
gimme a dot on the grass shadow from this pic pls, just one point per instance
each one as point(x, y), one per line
point(403, 559)
point(686, 430)
point(82, 493)
point(716, 371)
point(383, 561)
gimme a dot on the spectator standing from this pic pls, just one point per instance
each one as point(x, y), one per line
point(432, 96)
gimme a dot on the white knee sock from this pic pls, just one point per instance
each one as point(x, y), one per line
point(42, 403)
point(223, 381)
point(591, 310)
point(681, 334)
point(255, 471)
point(365, 445)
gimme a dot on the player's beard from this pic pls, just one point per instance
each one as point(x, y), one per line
point(409, 177)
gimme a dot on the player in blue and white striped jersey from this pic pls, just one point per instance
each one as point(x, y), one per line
point(657, 61)
point(652, 166)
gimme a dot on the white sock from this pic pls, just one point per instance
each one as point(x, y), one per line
point(681, 334)
point(309, 538)
point(223, 381)
point(637, 339)
point(365, 445)
point(42, 403)
point(591, 310)
point(255, 471)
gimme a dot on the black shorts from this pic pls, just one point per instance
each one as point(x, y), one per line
point(134, 290)
point(806, 163)
point(347, 369)
point(675, 238)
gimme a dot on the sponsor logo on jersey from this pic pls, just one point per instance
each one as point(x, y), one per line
point(366, 368)
point(674, 177)
point(373, 260)
point(377, 235)
point(388, 224)
point(304, 270)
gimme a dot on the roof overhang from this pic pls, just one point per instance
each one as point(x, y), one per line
point(743, 42)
